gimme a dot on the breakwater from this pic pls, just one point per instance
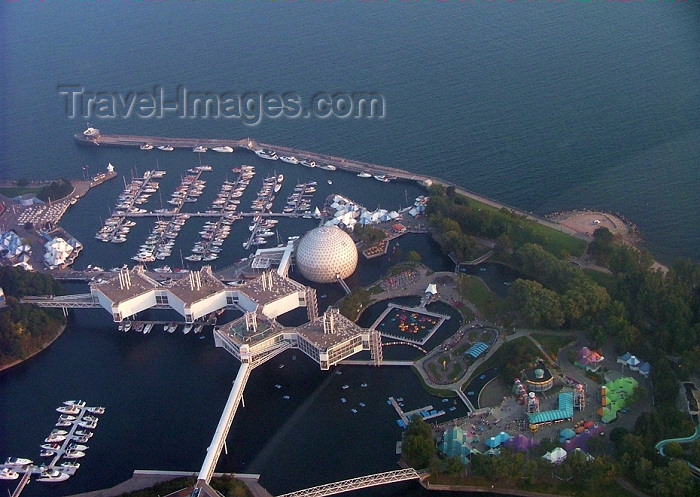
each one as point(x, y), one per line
point(339, 162)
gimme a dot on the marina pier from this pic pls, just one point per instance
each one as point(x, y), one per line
point(350, 165)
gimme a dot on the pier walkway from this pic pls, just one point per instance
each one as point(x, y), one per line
point(22, 483)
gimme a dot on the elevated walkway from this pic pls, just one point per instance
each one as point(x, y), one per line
point(357, 483)
point(223, 427)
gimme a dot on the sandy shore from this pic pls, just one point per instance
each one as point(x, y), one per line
point(586, 222)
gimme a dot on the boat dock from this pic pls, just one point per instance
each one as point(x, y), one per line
point(64, 444)
point(339, 162)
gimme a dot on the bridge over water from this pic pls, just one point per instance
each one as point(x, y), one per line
point(357, 483)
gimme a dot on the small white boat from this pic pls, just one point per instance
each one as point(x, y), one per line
point(50, 446)
point(70, 465)
point(146, 146)
point(95, 410)
point(55, 438)
point(77, 403)
point(198, 328)
point(187, 328)
point(147, 329)
point(68, 409)
point(73, 454)
point(8, 474)
point(83, 433)
point(17, 461)
point(53, 475)
point(225, 149)
point(66, 417)
point(47, 453)
point(364, 174)
point(382, 177)
point(199, 149)
point(172, 327)
point(165, 148)
point(59, 432)
point(77, 447)
point(88, 424)
point(290, 159)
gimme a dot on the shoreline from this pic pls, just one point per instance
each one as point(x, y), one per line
point(41, 349)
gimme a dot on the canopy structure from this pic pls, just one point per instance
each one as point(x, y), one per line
point(477, 349)
point(497, 440)
point(568, 433)
point(456, 444)
point(556, 456)
point(565, 410)
point(613, 397)
point(521, 443)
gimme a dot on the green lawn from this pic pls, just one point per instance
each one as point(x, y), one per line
point(605, 280)
point(552, 240)
point(552, 343)
point(475, 291)
point(14, 191)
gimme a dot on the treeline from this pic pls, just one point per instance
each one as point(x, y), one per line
point(459, 220)
point(664, 310)
point(557, 294)
point(638, 459)
point(25, 329)
point(56, 190)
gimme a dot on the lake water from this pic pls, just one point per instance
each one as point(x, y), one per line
point(545, 106)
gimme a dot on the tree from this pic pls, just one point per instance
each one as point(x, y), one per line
point(413, 256)
point(418, 443)
point(538, 305)
point(673, 450)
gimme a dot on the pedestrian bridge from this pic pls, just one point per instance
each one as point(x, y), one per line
point(357, 483)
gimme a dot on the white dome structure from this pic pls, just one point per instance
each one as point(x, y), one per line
point(325, 253)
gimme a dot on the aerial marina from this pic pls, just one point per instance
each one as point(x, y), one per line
point(66, 444)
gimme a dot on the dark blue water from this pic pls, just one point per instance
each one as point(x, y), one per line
point(542, 105)
point(545, 106)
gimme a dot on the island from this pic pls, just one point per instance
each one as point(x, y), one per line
point(585, 305)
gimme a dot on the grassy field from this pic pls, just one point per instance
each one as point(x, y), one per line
point(475, 291)
point(552, 343)
point(14, 191)
point(605, 280)
point(552, 240)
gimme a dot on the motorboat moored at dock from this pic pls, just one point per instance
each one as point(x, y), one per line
point(17, 461)
point(225, 149)
point(8, 474)
point(53, 475)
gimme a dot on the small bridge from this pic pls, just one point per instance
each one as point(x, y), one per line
point(357, 483)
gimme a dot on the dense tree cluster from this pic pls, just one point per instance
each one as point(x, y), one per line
point(368, 234)
point(56, 190)
point(25, 329)
point(559, 293)
point(638, 459)
point(512, 467)
point(354, 303)
point(418, 446)
point(458, 222)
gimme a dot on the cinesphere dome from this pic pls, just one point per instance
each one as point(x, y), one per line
point(325, 252)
